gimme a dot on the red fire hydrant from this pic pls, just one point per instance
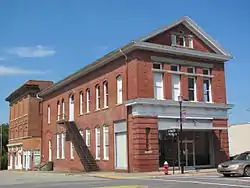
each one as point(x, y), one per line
point(166, 168)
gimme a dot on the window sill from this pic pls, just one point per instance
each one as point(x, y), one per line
point(97, 110)
point(119, 104)
point(98, 159)
point(105, 159)
point(81, 114)
point(105, 108)
point(180, 46)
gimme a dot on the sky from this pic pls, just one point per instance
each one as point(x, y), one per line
point(51, 39)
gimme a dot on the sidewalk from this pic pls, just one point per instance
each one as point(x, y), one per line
point(145, 175)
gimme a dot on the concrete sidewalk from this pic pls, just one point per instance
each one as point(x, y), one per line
point(142, 175)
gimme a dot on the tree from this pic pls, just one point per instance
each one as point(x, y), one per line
point(5, 136)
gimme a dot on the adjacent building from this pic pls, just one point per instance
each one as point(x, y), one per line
point(25, 124)
point(239, 139)
point(120, 111)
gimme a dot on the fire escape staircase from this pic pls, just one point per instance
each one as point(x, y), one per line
point(72, 134)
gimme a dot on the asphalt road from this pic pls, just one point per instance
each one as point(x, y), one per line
point(53, 180)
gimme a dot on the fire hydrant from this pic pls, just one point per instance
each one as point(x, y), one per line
point(166, 168)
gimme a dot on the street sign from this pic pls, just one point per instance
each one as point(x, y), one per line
point(184, 114)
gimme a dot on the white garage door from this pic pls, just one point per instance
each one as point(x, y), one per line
point(121, 150)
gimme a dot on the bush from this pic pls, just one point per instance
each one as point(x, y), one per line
point(4, 161)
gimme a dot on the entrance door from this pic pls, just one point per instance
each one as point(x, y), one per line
point(188, 152)
point(121, 150)
point(71, 108)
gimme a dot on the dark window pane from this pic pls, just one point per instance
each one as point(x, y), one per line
point(190, 70)
point(191, 83)
point(157, 66)
point(174, 68)
point(206, 71)
point(191, 95)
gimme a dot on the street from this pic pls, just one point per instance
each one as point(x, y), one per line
point(54, 180)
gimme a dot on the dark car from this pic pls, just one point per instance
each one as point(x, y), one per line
point(240, 165)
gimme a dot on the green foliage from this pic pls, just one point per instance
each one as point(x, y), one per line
point(5, 135)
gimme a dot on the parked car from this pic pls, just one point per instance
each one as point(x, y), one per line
point(240, 165)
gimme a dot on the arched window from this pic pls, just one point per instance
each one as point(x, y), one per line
point(119, 89)
point(98, 97)
point(105, 94)
point(81, 103)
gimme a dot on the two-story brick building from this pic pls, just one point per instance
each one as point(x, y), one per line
point(25, 124)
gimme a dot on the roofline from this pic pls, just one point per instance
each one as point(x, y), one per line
point(194, 27)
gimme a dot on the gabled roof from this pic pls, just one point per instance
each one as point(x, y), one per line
point(196, 29)
point(221, 55)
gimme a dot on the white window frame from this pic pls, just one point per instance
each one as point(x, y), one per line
point(105, 94)
point(88, 100)
point(97, 143)
point(175, 98)
point(58, 111)
point(50, 151)
point(105, 143)
point(49, 114)
point(173, 40)
point(71, 150)
point(210, 90)
point(190, 42)
point(209, 72)
point(81, 103)
point(63, 109)
point(119, 89)
point(156, 63)
point(97, 97)
point(194, 89)
point(58, 146)
point(191, 68)
point(158, 86)
point(87, 140)
point(178, 67)
point(62, 145)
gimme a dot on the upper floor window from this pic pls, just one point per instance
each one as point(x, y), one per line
point(105, 93)
point(88, 100)
point(81, 103)
point(105, 143)
point(180, 39)
point(87, 139)
point(158, 86)
point(58, 110)
point(98, 96)
point(175, 67)
point(63, 109)
point(206, 71)
point(191, 70)
point(119, 89)
point(157, 66)
point(207, 90)
point(49, 114)
point(191, 89)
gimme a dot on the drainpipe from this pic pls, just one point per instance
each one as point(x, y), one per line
point(126, 63)
point(40, 100)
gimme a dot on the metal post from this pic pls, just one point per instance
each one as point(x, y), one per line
point(181, 144)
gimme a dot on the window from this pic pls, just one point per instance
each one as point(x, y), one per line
point(105, 143)
point(175, 87)
point(49, 114)
point(190, 42)
point(206, 71)
point(157, 66)
point(180, 40)
point(147, 138)
point(191, 89)
point(81, 103)
point(58, 146)
point(97, 143)
point(105, 92)
point(58, 110)
point(98, 96)
point(174, 67)
point(71, 150)
point(63, 145)
point(63, 109)
point(207, 90)
point(191, 70)
point(50, 151)
point(88, 137)
point(158, 86)
point(87, 100)
point(119, 89)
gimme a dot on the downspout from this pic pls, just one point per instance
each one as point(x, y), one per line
point(126, 63)
point(41, 147)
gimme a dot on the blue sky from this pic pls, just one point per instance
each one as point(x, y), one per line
point(52, 39)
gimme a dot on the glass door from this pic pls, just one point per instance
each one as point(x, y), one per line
point(188, 153)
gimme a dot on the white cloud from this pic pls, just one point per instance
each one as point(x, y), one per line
point(32, 52)
point(17, 71)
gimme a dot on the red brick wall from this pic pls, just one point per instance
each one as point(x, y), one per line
point(140, 159)
point(221, 147)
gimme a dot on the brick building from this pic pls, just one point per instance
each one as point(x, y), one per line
point(25, 124)
point(116, 113)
